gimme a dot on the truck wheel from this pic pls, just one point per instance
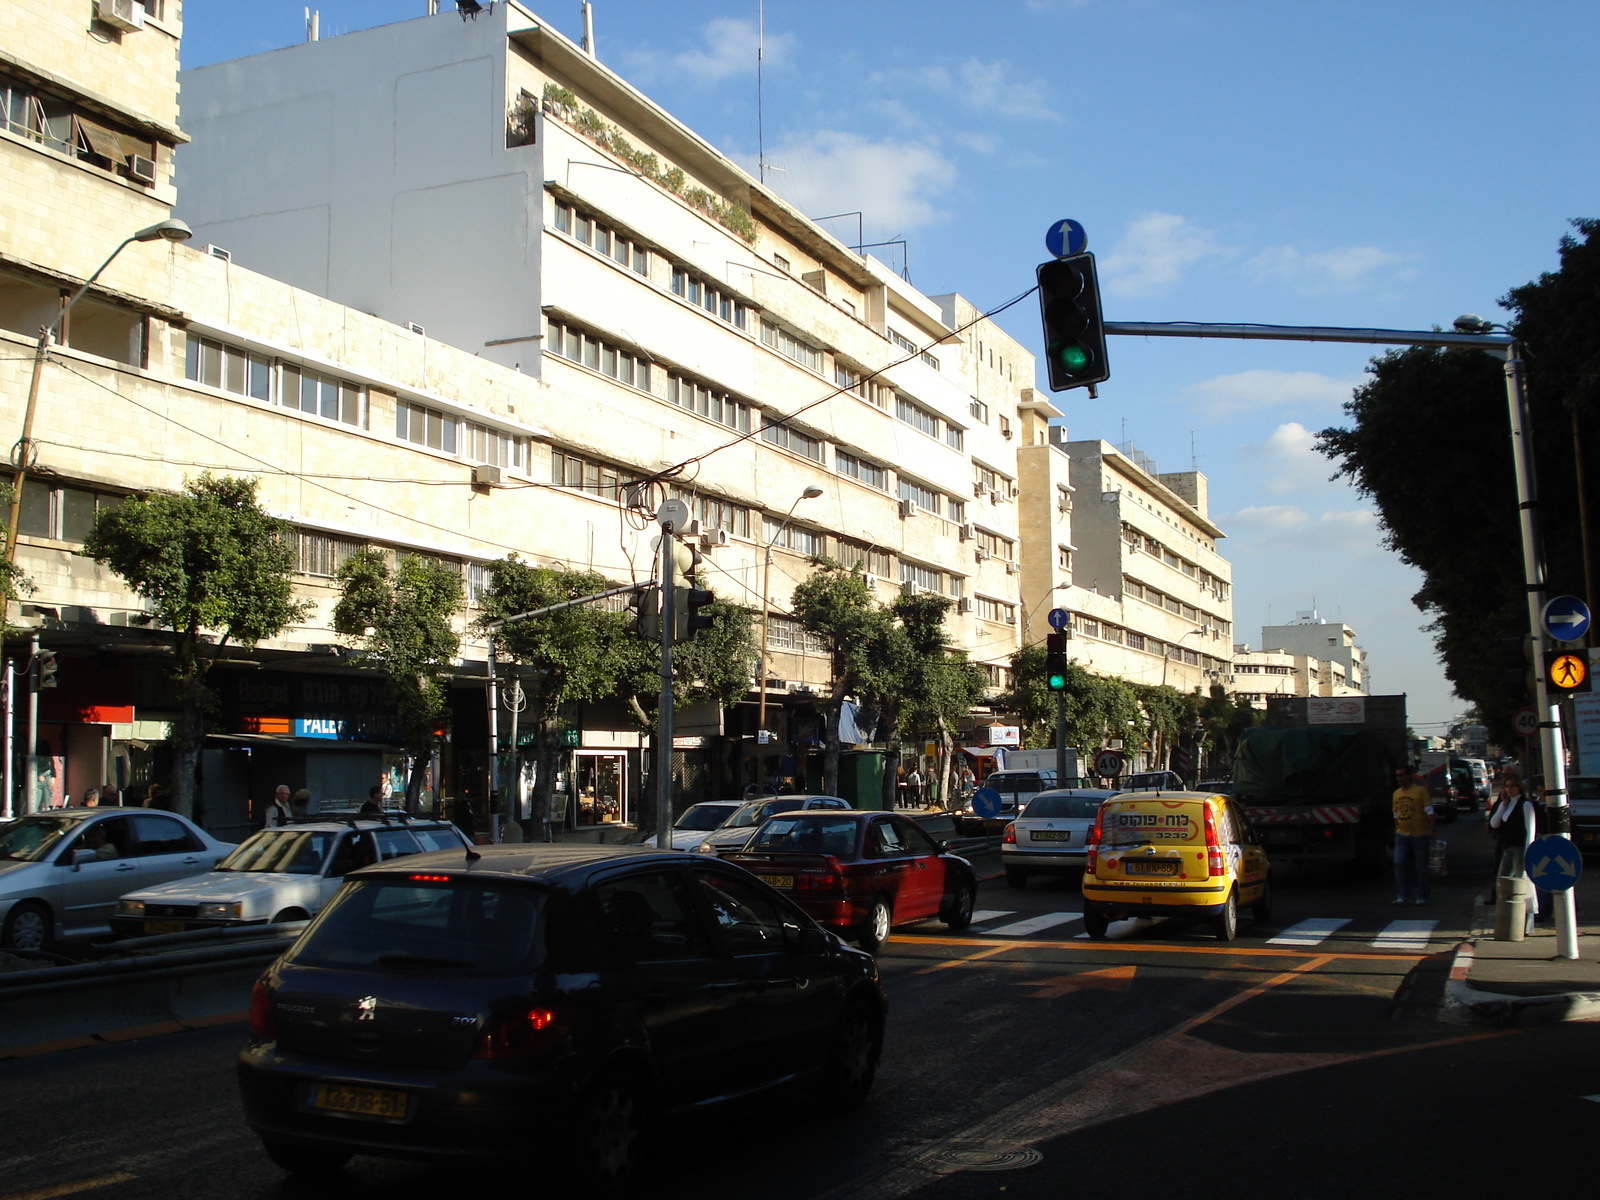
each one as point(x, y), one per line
point(1016, 877)
point(1226, 923)
point(1094, 923)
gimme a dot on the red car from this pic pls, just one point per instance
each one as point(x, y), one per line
point(860, 873)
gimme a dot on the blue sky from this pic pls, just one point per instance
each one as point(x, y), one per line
point(1369, 164)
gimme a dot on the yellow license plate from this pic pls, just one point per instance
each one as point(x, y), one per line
point(163, 926)
point(1047, 835)
point(360, 1102)
point(778, 881)
point(1136, 867)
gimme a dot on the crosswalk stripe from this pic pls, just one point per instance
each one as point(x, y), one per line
point(1404, 935)
point(990, 914)
point(1309, 933)
point(1115, 929)
point(1034, 924)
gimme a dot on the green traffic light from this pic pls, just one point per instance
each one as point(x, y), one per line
point(1072, 356)
point(1058, 683)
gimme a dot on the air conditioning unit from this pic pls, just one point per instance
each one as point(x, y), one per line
point(1011, 617)
point(968, 532)
point(871, 581)
point(217, 252)
point(964, 605)
point(978, 489)
point(691, 530)
point(126, 15)
point(1015, 491)
point(416, 329)
point(1012, 567)
point(909, 588)
point(908, 508)
point(981, 555)
point(140, 169)
point(1064, 504)
point(485, 475)
point(714, 538)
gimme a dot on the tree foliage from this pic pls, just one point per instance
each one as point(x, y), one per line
point(215, 568)
point(402, 622)
point(1428, 440)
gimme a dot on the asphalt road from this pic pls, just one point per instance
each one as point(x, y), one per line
point(1302, 1058)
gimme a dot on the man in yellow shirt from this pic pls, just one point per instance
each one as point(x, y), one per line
point(1413, 837)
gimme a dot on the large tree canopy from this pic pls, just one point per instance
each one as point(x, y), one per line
point(1429, 442)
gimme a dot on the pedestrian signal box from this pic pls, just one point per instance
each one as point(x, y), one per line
point(1566, 672)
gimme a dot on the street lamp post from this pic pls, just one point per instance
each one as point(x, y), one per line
point(1167, 657)
point(162, 231)
point(811, 493)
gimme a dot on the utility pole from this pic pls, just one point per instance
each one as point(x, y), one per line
point(494, 747)
point(672, 515)
point(9, 683)
point(30, 776)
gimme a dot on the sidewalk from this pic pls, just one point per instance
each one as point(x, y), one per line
point(1524, 983)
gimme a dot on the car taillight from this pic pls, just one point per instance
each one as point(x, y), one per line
point(1213, 847)
point(1010, 837)
point(263, 1024)
point(519, 1033)
point(1094, 847)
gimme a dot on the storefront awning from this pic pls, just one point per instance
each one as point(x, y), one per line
point(984, 752)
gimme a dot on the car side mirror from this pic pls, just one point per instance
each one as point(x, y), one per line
point(812, 940)
point(79, 857)
point(944, 845)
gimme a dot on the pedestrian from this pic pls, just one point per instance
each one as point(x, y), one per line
point(300, 805)
point(110, 797)
point(1413, 837)
point(278, 811)
point(463, 818)
point(374, 804)
point(1516, 821)
point(914, 789)
point(91, 798)
point(966, 782)
point(157, 797)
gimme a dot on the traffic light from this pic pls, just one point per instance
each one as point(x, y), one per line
point(1074, 335)
point(1566, 671)
point(687, 617)
point(1055, 662)
point(47, 668)
point(646, 606)
point(1516, 662)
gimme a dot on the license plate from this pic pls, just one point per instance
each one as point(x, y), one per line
point(1049, 835)
point(360, 1102)
point(1140, 867)
point(778, 881)
point(163, 926)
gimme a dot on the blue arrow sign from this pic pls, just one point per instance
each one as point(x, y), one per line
point(1065, 239)
point(1565, 618)
point(1059, 619)
point(986, 802)
point(1553, 863)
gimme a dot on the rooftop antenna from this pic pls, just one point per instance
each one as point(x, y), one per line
point(313, 21)
point(588, 28)
point(1194, 459)
point(433, 8)
point(761, 128)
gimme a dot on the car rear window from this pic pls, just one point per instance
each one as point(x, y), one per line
point(1014, 783)
point(437, 839)
point(420, 925)
point(1151, 823)
point(1062, 806)
point(294, 851)
point(806, 835)
point(703, 817)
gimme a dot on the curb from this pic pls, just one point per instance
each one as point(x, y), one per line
point(1464, 1004)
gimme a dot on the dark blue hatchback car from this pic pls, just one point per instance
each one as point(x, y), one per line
point(469, 1004)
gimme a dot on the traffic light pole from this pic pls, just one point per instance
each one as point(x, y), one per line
point(664, 706)
point(1061, 740)
point(30, 773)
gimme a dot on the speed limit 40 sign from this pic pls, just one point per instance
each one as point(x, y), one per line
point(1525, 722)
point(1107, 764)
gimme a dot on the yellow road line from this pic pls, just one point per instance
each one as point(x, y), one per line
point(69, 1189)
point(1146, 948)
point(959, 962)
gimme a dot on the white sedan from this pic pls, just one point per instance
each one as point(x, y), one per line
point(1051, 834)
point(698, 821)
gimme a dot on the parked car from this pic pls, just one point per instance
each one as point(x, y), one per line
point(861, 873)
point(1152, 781)
point(1220, 787)
point(1016, 788)
point(689, 830)
point(536, 1002)
point(736, 830)
point(1451, 792)
point(282, 874)
point(1051, 835)
point(62, 870)
point(1583, 794)
point(1183, 854)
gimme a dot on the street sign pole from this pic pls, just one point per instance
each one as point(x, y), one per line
point(1061, 740)
point(672, 515)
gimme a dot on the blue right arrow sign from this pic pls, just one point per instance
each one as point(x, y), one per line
point(1565, 618)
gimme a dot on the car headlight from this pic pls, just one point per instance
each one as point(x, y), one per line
point(705, 848)
point(130, 908)
point(215, 912)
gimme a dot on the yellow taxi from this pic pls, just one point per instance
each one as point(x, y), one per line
point(1174, 854)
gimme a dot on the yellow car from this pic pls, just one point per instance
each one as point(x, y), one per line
point(1174, 854)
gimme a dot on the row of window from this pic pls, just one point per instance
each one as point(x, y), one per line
point(869, 473)
point(869, 559)
point(708, 402)
point(585, 474)
point(58, 511)
point(928, 579)
point(787, 344)
point(1254, 669)
point(701, 292)
point(581, 346)
point(1138, 541)
point(910, 347)
point(986, 481)
point(713, 512)
point(785, 633)
point(56, 123)
point(931, 501)
point(996, 546)
point(1141, 591)
point(786, 438)
point(585, 228)
point(994, 610)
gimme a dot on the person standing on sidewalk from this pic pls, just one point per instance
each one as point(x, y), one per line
point(1413, 837)
point(1515, 822)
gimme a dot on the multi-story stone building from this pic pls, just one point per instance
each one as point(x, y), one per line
point(1312, 635)
point(455, 286)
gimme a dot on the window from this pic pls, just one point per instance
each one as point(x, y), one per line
point(586, 475)
point(902, 341)
point(1135, 641)
point(781, 262)
point(483, 443)
point(916, 416)
point(869, 559)
point(979, 411)
point(993, 482)
point(322, 555)
point(704, 294)
point(929, 360)
point(925, 498)
point(228, 368)
point(321, 395)
point(719, 406)
point(786, 343)
point(750, 922)
point(859, 468)
point(792, 537)
point(58, 511)
point(715, 513)
point(649, 918)
point(955, 437)
point(591, 231)
point(424, 426)
point(996, 546)
point(851, 380)
point(477, 584)
point(958, 586)
point(1089, 628)
point(994, 610)
point(926, 578)
point(785, 633)
point(957, 509)
point(580, 346)
point(1005, 427)
point(1063, 558)
point(55, 123)
point(792, 439)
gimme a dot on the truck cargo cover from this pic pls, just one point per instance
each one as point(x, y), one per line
point(1310, 766)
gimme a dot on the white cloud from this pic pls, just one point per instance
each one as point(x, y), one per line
point(729, 50)
point(1255, 391)
point(1345, 269)
point(1154, 252)
point(893, 182)
point(1288, 461)
point(994, 87)
point(1354, 531)
point(1275, 518)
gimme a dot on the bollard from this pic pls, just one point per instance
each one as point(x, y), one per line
point(1513, 897)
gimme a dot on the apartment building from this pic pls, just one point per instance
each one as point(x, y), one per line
point(1335, 642)
point(455, 288)
point(1258, 674)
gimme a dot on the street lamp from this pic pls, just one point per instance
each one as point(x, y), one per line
point(1167, 657)
point(22, 453)
point(811, 493)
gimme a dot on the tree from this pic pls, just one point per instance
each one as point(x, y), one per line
point(715, 667)
point(215, 569)
point(1447, 498)
point(1098, 707)
point(938, 686)
point(401, 620)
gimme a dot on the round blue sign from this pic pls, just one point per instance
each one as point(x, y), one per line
point(986, 803)
point(1065, 239)
point(1060, 618)
point(1565, 618)
point(1553, 863)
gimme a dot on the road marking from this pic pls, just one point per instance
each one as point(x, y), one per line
point(990, 914)
point(1404, 935)
point(1595, 1098)
point(1309, 933)
point(1232, 951)
point(1034, 924)
point(952, 962)
point(1114, 930)
point(68, 1189)
point(1108, 979)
